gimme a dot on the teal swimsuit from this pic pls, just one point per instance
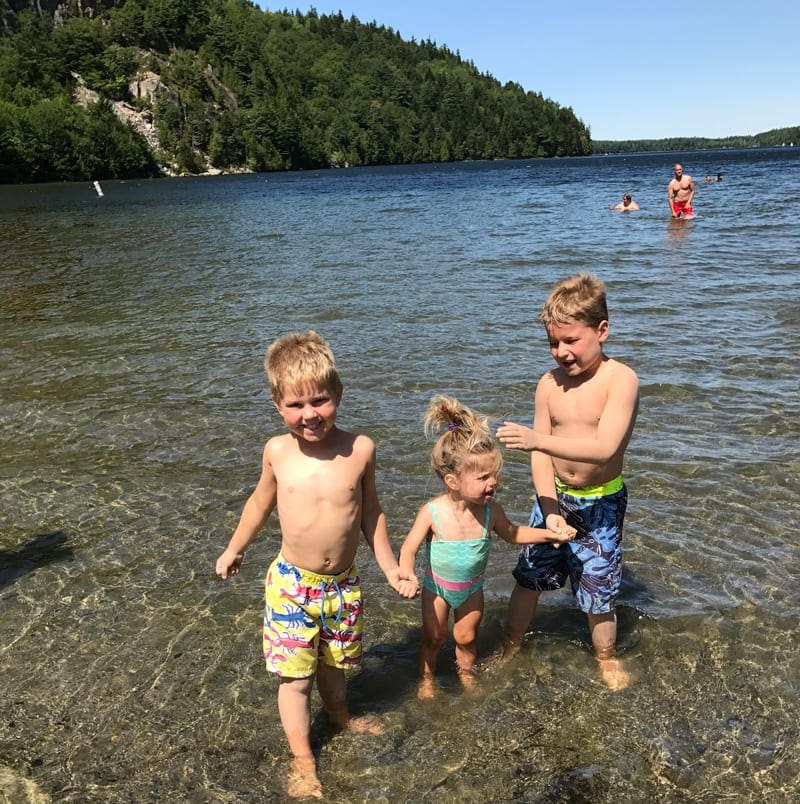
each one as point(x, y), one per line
point(454, 570)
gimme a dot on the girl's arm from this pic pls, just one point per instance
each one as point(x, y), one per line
point(522, 534)
point(422, 526)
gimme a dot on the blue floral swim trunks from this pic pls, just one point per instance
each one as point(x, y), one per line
point(593, 559)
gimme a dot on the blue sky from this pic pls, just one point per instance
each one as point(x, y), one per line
point(634, 70)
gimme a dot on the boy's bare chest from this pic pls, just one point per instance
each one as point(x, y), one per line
point(335, 480)
point(580, 406)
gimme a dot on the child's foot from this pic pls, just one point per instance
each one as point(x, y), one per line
point(366, 724)
point(503, 655)
point(339, 717)
point(303, 780)
point(613, 674)
point(426, 691)
point(468, 680)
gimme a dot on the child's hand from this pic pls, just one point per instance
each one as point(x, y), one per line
point(559, 529)
point(229, 564)
point(515, 436)
point(408, 589)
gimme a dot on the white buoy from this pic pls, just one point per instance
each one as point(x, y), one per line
point(98, 189)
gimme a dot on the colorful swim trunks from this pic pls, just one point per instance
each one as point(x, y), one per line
point(310, 617)
point(593, 559)
point(682, 208)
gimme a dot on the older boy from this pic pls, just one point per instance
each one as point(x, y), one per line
point(322, 480)
point(584, 415)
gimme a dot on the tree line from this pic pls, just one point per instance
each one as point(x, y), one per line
point(243, 88)
point(766, 139)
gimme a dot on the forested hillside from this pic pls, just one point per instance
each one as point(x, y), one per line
point(98, 89)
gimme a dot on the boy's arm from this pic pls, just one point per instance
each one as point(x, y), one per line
point(373, 526)
point(255, 513)
point(542, 472)
point(613, 429)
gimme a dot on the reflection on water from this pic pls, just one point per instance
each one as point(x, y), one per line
point(133, 413)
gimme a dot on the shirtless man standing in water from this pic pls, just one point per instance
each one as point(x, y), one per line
point(680, 192)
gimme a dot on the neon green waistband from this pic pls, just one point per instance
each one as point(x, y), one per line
point(603, 490)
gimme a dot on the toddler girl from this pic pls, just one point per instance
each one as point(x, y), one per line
point(456, 527)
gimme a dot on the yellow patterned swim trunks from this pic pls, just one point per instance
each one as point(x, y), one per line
point(310, 617)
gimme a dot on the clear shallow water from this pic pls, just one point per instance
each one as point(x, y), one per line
point(133, 410)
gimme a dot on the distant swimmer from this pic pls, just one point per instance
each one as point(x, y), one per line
point(680, 192)
point(627, 204)
point(711, 179)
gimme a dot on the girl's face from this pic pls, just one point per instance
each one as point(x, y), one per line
point(478, 479)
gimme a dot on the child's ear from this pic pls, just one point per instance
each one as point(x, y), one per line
point(451, 481)
point(602, 331)
point(276, 402)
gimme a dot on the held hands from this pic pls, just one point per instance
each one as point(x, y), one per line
point(560, 530)
point(229, 564)
point(515, 436)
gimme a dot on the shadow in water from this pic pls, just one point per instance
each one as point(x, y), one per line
point(633, 592)
point(386, 678)
point(38, 552)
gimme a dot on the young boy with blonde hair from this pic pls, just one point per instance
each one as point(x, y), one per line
point(322, 480)
point(585, 411)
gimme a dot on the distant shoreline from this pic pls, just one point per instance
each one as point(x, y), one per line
point(776, 138)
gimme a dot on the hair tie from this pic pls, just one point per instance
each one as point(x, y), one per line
point(452, 426)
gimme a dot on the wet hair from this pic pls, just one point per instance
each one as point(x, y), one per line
point(626, 197)
point(466, 434)
point(299, 360)
point(577, 298)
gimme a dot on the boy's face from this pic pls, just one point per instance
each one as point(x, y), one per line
point(577, 347)
point(309, 412)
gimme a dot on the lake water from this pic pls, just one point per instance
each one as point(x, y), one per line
point(134, 409)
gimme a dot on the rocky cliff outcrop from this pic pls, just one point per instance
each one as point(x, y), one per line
point(58, 9)
point(147, 85)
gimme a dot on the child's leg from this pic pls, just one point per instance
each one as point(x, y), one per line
point(603, 628)
point(332, 686)
point(294, 706)
point(520, 613)
point(465, 631)
point(435, 616)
